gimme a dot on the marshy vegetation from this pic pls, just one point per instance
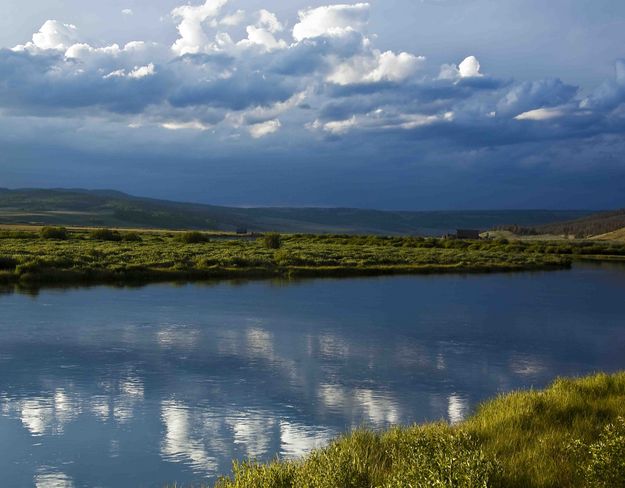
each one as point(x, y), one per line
point(570, 435)
point(59, 255)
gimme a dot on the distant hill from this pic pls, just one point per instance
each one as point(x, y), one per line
point(587, 226)
point(108, 208)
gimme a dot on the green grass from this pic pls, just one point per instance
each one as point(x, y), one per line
point(105, 256)
point(570, 435)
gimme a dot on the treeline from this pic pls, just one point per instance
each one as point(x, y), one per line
point(593, 225)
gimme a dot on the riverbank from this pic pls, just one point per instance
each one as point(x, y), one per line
point(571, 434)
point(60, 256)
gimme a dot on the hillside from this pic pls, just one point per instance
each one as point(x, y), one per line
point(116, 209)
point(596, 224)
point(617, 235)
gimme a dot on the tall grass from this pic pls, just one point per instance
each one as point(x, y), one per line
point(105, 255)
point(570, 435)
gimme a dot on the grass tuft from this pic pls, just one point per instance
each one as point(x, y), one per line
point(571, 434)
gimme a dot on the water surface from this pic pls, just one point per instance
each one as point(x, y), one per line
point(105, 387)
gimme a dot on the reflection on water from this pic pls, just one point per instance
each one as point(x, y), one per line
point(53, 480)
point(112, 387)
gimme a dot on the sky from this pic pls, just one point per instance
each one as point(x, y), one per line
point(393, 104)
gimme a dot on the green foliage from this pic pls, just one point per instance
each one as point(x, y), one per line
point(272, 240)
point(435, 455)
point(193, 237)
point(522, 439)
point(91, 257)
point(8, 263)
point(528, 431)
point(602, 463)
point(106, 235)
point(131, 237)
point(18, 234)
point(54, 233)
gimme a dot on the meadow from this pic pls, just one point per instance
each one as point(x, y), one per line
point(571, 434)
point(55, 255)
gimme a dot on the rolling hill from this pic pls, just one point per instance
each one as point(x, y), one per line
point(109, 208)
point(596, 224)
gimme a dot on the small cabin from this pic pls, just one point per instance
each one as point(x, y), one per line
point(467, 234)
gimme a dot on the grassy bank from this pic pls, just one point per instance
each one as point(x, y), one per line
point(96, 256)
point(89, 256)
point(570, 435)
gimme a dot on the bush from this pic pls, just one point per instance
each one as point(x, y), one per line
point(603, 464)
point(193, 237)
point(272, 240)
point(54, 233)
point(131, 237)
point(7, 263)
point(106, 235)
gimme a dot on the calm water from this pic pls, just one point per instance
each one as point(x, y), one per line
point(122, 388)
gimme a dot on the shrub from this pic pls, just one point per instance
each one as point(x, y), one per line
point(272, 240)
point(193, 237)
point(7, 263)
point(54, 233)
point(131, 237)
point(604, 460)
point(106, 235)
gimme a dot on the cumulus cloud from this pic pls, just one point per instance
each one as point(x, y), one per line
point(257, 36)
point(51, 35)
point(193, 38)
point(233, 19)
point(331, 20)
point(127, 11)
point(329, 77)
point(610, 94)
point(468, 68)
point(531, 95)
point(268, 20)
point(263, 129)
point(375, 67)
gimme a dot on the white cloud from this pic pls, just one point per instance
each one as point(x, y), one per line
point(192, 125)
point(338, 127)
point(193, 39)
point(233, 19)
point(137, 72)
point(127, 11)
point(51, 35)
point(331, 20)
point(469, 68)
point(376, 67)
point(541, 114)
point(142, 71)
point(263, 129)
point(257, 36)
point(269, 21)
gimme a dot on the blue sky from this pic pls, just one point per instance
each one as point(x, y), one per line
point(411, 104)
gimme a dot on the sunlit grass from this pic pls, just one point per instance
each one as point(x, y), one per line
point(94, 256)
point(570, 435)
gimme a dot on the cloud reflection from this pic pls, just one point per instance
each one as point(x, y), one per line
point(53, 480)
point(297, 439)
point(179, 442)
